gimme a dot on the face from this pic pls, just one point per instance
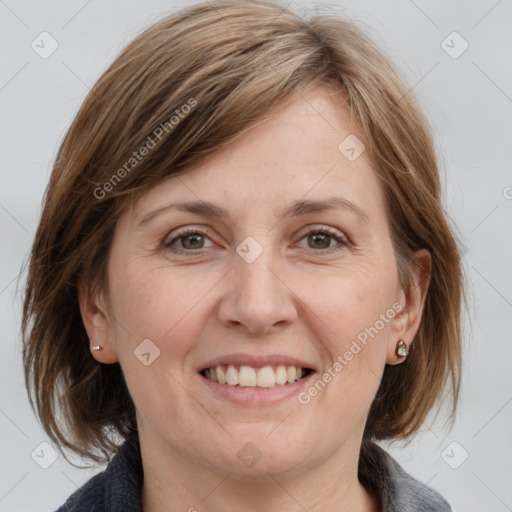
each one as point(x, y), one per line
point(291, 265)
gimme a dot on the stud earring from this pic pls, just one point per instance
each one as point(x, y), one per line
point(402, 350)
point(96, 347)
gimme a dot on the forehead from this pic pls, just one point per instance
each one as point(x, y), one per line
point(300, 152)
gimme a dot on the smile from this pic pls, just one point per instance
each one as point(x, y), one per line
point(248, 376)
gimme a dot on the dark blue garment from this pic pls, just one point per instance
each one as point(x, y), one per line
point(118, 487)
point(398, 491)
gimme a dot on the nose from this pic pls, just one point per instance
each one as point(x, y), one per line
point(258, 300)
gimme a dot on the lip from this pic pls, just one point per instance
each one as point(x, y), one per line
point(256, 396)
point(240, 359)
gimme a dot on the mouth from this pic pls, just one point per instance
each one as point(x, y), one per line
point(244, 376)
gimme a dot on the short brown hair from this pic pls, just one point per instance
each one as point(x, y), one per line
point(235, 62)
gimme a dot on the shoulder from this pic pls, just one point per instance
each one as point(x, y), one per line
point(116, 489)
point(89, 497)
point(399, 491)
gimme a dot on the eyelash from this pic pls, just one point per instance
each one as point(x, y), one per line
point(198, 231)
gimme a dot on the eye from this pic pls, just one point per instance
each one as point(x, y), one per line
point(192, 240)
point(321, 238)
point(188, 240)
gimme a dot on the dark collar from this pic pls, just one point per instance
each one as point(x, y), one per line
point(118, 488)
point(398, 491)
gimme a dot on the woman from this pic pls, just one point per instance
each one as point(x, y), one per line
point(244, 270)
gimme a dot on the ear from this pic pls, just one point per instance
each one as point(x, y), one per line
point(407, 322)
point(97, 323)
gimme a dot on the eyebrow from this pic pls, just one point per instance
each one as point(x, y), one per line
point(296, 209)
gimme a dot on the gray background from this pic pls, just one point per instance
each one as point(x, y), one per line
point(469, 102)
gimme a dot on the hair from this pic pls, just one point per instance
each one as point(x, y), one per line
point(184, 89)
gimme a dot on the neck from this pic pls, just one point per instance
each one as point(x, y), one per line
point(173, 481)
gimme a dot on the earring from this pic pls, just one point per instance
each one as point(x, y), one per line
point(402, 350)
point(96, 347)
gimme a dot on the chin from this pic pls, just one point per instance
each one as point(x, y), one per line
point(254, 453)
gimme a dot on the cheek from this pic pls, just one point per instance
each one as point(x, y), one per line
point(356, 315)
point(350, 302)
point(165, 307)
point(354, 309)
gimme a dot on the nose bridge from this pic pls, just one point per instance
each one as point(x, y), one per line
point(253, 260)
point(257, 299)
point(256, 280)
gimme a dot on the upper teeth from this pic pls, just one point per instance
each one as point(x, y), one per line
point(247, 376)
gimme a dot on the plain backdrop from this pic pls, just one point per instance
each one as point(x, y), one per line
point(464, 83)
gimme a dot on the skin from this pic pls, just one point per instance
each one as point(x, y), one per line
point(297, 298)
